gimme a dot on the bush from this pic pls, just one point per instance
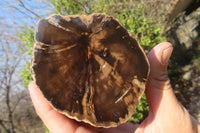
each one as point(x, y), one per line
point(144, 30)
point(27, 37)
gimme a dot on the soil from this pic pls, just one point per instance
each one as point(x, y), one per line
point(187, 89)
point(186, 82)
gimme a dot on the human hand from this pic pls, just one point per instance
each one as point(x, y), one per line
point(166, 114)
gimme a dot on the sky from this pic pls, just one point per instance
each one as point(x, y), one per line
point(13, 14)
point(12, 17)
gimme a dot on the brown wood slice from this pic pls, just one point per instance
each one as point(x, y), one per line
point(89, 68)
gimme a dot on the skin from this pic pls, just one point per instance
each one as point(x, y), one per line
point(166, 114)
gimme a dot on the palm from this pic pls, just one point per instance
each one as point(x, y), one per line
point(166, 115)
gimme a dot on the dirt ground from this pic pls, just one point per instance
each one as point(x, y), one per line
point(188, 90)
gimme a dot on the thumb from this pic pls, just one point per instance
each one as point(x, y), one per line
point(159, 91)
point(158, 58)
point(165, 112)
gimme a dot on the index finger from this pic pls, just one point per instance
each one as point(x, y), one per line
point(55, 122)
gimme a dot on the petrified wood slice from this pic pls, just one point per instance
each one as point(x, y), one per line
point(89, 68)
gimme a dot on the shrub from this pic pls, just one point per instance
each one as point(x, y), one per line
point(144, 30)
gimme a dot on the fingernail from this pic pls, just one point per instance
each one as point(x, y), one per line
point(166, 55)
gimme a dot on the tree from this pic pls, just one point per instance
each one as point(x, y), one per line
point(16, 113)
point(137, 16)
point(10, 60)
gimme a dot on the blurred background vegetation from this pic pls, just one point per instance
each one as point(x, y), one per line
point(150, 22)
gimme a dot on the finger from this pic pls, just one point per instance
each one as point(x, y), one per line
point(165, 112)
point(123, 128)
point(55, 122)
point(40, 103)
point(159, 91)
point(158, 58)
point(50, 117)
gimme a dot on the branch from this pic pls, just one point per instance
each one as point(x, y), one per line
point(81, 5)
point(27, 9)
point(17, 102)
point(4, 127)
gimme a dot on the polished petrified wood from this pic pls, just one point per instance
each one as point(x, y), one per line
point(89, 68)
